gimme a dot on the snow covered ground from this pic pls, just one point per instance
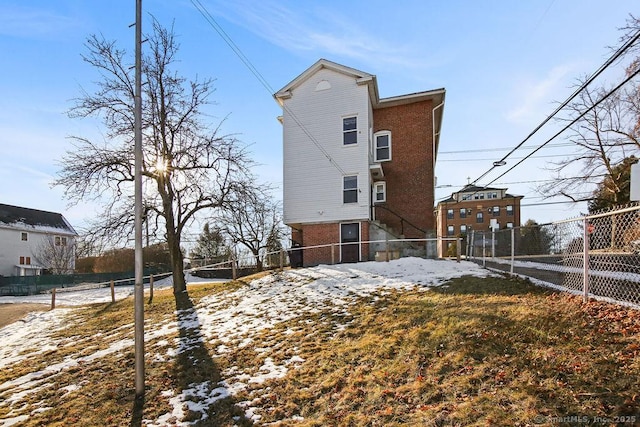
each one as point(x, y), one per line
point(233, 318)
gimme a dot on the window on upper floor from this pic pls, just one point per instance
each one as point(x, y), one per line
point(24, 236)
point(463, 213)
point(383, 145)
point(466, 197)
point(450, 230)
point(496, 210)
point(60, 241)
point(478, 196)
point(492, 195)
point(350, 130)
point(350, 189)
point(380, 192)
point(449, 213)
point(463, 229)
point(509, 210)
point(509, 225)
point(479, 217)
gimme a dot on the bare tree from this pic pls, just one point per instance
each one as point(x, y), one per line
point(254, 222)
point(56, 254)
point(187, 166)
point(607, 133)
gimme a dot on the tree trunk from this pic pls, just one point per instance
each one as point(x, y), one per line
point(175, 254)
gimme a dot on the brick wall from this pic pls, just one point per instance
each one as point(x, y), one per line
point(326, 234)
point(409, 174)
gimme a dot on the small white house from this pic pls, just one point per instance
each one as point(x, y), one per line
point(26, 234)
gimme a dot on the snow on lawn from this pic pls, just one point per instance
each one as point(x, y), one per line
point(232, 318)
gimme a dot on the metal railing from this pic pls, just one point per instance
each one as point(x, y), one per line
point(597, 256)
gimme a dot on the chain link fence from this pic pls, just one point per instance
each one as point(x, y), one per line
point(596, 255)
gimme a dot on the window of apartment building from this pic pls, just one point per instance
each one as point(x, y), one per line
point(60, 241)
point(509, 225)
point(350, 189)
point(450, 230)
point(463, 213)
point(463, 229)
point(496, 210)
point(449, 213)
point(24, 236)
point(380, 192)
point(479, 217)
point(25, 260)
point(478, 196)
point(492, 195)
point(510, 210)
point(383, 145)
point(350, 130)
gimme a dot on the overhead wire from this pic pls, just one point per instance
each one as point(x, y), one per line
point(583, 86)
point(245, 60)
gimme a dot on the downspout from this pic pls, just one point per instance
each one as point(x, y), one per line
point(433, 152)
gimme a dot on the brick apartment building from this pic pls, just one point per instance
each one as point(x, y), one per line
point(475, 208)
point(356, 167)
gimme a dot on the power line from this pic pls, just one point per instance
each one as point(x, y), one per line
point(515, 158)
point(245, 60)
point(484, 150)
point(583, 86)
point(571, 123)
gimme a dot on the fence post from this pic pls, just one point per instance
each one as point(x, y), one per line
point(513, 242)
point(386, 247)
point(493, 243)
point(484, 249)
point(234, 275)
point(333, 253)
point(585, 260)
point(150, 289)
point(113, 292)
point(471, 245)
point(458, 248)
point(53, 298)
point(281, 259)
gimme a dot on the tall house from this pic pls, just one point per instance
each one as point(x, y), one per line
point(475, 208)
point(356, 167)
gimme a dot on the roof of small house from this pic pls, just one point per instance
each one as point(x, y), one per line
point(33, 219)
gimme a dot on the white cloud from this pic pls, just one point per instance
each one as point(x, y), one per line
point(319, 30)
point(32, 22)
point(535, 99)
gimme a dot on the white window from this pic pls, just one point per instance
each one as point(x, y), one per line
point(496, 211)
point(509, 225)
point(383, 146)
point(380, 192)
point(350, 189)
point(510, 210)
point(450, 230)
point(492, 195)
point(478, 196)
point(24, 237)
point(350, 130)
point(463, 229)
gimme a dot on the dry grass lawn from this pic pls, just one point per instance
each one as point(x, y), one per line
point(477, 351)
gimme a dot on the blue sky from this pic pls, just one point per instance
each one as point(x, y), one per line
point(503, 63)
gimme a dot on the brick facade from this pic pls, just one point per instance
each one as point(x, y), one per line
point(409, 174)
point(326, 234)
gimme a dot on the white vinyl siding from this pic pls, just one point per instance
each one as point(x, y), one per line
point(313, 176)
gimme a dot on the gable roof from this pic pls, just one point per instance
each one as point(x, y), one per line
point(26, 218)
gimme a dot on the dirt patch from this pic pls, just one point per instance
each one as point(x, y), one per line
point(9, 313)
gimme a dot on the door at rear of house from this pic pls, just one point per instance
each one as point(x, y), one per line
point(350, 242)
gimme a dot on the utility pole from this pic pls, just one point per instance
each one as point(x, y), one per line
point(138, 293)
